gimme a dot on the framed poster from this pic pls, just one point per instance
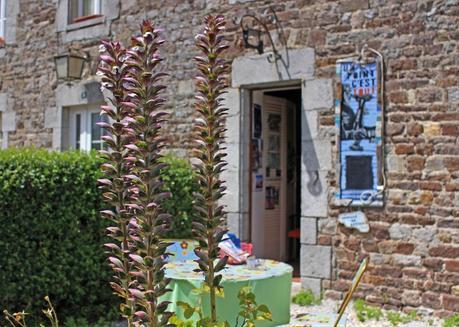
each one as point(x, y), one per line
point(358, 117)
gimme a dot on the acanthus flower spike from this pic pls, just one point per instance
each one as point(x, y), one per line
point(209, 151)
point(112, 71)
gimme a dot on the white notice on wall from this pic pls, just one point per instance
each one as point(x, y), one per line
point(356, 220)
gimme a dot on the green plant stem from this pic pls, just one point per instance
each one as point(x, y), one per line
point(124, 231)
point(213, 304)
point(127, 279)
point(210, 240)
point(152, 319)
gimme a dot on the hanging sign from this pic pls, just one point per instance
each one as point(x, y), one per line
point(358, 119)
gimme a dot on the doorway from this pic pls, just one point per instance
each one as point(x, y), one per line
point(275, 173)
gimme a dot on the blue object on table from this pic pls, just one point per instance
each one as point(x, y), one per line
point(234, 239)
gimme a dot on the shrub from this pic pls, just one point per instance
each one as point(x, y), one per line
point(180, 181)
point(306, 298)
point(397, 318)
point(452, 321)
point(366, 312)
point(51, 236)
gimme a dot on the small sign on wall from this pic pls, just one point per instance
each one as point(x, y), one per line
point(356, 220)
point(358, 117)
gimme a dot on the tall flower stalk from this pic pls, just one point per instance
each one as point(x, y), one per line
point(142, 83)
point(113, 70)
point(211, 83)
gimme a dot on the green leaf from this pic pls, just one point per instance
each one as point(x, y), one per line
point(263, 308)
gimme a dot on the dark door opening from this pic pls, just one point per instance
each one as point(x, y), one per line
point(276, 175)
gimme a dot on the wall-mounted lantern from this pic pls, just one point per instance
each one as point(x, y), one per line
point(69, 66)
point(247, 32)
point(253, 37)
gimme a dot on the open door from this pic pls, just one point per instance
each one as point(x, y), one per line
point(269, 176)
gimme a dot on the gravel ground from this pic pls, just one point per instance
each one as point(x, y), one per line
point(352, 321)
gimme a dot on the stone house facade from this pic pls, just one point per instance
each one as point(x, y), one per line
point(413, 242)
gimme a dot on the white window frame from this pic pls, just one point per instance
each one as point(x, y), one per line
point(96, 9)
point(2, 18)
point(85, 128)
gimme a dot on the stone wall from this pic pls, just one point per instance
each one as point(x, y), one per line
point(414, 239)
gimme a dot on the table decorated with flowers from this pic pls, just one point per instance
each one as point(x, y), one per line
point(270, 282)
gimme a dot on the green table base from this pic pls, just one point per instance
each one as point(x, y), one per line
point(273, 291)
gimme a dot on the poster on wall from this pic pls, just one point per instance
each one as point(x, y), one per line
point(358, 119)
point(257, 154)
point(258, 183)
point(257, 124)
point(274, 121)
point(274, 152)
point(271, 197)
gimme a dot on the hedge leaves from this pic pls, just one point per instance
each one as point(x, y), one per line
point(51, 234)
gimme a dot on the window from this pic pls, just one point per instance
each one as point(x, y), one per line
point(85, 134)
point(85, 19)
point(2, 18)
point(80, 10)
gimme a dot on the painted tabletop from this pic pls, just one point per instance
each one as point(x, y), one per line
point(266, 269)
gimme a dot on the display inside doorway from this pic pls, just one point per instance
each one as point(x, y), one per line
point(358, 118)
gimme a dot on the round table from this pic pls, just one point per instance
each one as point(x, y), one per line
point(271, 283)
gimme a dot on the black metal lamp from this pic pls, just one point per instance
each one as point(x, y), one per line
point(250, 33)
point(246, 33)
point(69, 66)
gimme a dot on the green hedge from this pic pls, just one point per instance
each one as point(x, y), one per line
point(179, 179)
point(51, 234)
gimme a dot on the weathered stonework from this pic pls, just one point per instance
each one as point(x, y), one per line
point(7, 119)
point(413, 241)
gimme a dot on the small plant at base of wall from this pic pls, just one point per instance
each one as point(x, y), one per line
point(452, 321)
point(366, 312)
point(306, 298)
point(397, 318)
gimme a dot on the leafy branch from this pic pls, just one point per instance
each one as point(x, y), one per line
point(250, 310)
